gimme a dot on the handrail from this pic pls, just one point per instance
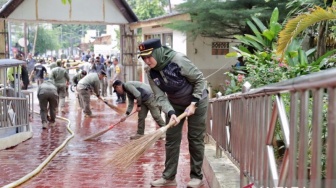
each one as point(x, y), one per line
point(300, 111)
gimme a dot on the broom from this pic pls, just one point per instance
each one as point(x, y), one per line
point(106, 129)
point(113, 107)
point(133, 150)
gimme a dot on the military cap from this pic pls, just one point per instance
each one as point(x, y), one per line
point(146, 48)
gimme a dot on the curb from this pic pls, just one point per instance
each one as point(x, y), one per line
point(219, 172)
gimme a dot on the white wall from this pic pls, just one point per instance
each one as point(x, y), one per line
point(179, 42)
point(212, 66)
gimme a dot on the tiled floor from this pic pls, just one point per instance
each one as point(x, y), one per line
point(84, 163)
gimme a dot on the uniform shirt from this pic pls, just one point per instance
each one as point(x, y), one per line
point(40, 70)
point(77, 78)
point(53, 65)
point(117, 72)
point(60, 76)
point(90, 81)
point(47, 87)
point(178, 69)
point(136, 90)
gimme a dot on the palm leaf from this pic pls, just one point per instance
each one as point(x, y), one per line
point(259, 23)
point(252, 37)
point(300, 23)
point(249, 42)
point(254, 29)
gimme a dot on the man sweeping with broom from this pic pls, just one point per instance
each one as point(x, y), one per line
point(179, 86)
point(86, 87)
point(145, 102)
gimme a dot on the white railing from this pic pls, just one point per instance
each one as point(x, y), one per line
point(14, 113)
point(297, 117)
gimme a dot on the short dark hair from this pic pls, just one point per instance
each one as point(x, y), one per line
point(103, 72)
point(116, 83)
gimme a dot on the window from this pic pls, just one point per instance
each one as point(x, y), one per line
point(167, 39)
point(220, 48)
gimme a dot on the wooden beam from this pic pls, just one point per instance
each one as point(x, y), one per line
point(159, 21)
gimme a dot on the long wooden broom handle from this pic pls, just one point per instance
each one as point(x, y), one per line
point(183, 115)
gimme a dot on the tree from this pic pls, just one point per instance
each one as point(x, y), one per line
point(46, 40)
point(222, 19)
point(70, 34)
point(146, 9)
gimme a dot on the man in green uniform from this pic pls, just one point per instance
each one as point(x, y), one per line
point(78, 77)
point(61, 79)
point(47, 95)
point(145, 102)
point(179, 86)
point(87, 86)
point(53, 63)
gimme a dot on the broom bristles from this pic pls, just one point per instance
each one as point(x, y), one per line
point(133, 150)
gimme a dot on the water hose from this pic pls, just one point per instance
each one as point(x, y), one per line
point(46, 161)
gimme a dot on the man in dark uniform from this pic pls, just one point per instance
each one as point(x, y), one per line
point(47, 95)
point(179, 86)
point(145, 102)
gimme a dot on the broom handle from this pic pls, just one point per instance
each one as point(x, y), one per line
point(111, 126)
point(183, 115)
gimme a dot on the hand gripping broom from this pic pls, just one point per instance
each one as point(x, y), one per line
point(113, 107)
point(106, 129)
point(133, 150)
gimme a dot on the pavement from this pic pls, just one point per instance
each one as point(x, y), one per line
point(58, 156)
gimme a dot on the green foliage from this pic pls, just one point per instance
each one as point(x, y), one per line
point(262, 64)
point(213, 18)
point(146, 9)
point(70, 34)
point(46, 40)
point(235, 84)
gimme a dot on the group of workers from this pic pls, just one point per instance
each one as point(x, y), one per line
point(175, 86)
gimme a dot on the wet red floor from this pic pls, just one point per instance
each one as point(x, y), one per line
point(84, 163)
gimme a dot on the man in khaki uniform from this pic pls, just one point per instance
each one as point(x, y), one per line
point(87, 86)
point(47, 95)
point(145, 102)
point(118, 75)
point(61, 79)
